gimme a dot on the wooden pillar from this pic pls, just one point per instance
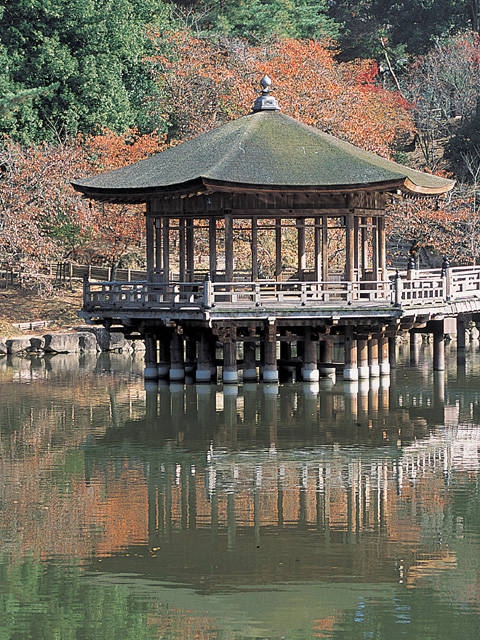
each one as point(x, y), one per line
point(384, 355)
point(177, 360)
point(357, 247)
point(158, 248)
point(249, 361)
point(190, 274)
point(149, 232)
point(278, 248)
point(230, 373)
point(325, 248)
point(382, 256)
point(362, 356)
point(364, 245)
point(310, 371)
point(349, 248)
point(373, 357)
point(301, 247)
point(350, 369)
point(163, 366)
point(212, 247)
point(254, 249)
point(438, 345)
point(166, 249)
point(461, 333)
point(150, 371)
point(326, 350)
point(270, 370)
point(318, 249)
point(228, 246)
point(204, 360)
point(375, 248)
point(415, 344)
point(190, 354)
point(182, 250)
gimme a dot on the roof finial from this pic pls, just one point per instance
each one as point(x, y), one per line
point(265, 102)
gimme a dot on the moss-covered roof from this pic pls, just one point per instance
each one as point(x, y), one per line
point(266, 149)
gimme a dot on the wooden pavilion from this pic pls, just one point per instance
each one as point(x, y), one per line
point(261, 234)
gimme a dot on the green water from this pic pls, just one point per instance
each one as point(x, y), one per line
point(196, 512)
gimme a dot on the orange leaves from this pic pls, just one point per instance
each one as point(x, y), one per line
point(108, 150)
point(207, 83)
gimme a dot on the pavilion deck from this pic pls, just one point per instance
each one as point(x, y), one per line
point(404, 293)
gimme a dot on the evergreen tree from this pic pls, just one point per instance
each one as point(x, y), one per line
point(77, 64)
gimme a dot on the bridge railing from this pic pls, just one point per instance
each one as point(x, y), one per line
point(422, 288)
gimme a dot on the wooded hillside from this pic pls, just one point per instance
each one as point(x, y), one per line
point(92, 85)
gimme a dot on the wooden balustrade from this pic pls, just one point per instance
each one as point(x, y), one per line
point(429, 287)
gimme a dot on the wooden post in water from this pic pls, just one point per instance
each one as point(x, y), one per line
point(438, 345)
point(177, 359)
point(362, 354)
point(310, 360)
point(150, 371)
point(350, 370)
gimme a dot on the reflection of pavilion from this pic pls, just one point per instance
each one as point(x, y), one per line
point(229, 513)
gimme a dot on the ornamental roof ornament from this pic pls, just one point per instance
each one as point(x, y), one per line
point(265, 102)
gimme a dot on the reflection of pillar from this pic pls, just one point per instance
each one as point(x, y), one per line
point(192, 500)
point(270, 412)
point(177, 366)
point(150, 371)
point(231, 522)
point(350, 370)
point(392, 351)
point(373, 357)
point(152, 503)
point(310, 366)
point(362, 355)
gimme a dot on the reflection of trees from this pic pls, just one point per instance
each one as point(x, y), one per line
point(44, 600)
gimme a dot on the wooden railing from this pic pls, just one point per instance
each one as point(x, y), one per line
point(423, 288)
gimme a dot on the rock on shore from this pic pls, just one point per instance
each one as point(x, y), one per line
point(79, 340)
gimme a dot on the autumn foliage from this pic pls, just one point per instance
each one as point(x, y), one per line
point(206, 83)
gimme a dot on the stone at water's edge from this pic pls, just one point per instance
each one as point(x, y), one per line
point(19, 344)
point(62, 343)
point(80, 340)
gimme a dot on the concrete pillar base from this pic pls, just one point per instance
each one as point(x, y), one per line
point(363, 372)
point(176, 374)
point(203, 375)
point(350, 373)
point(310, 374)
point(385, 368)
point(270, 375)
point(150, 372)
point(250, 374)
point(163, 370)
point(230, 376)
point(374, 371)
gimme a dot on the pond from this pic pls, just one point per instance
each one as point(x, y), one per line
point(297, 511)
